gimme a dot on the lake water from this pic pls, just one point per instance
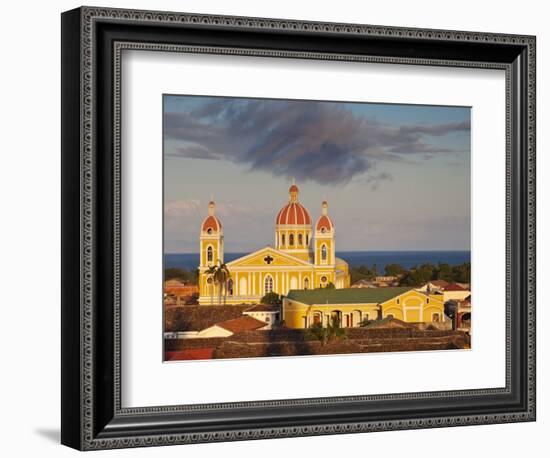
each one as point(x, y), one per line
point(407, 259)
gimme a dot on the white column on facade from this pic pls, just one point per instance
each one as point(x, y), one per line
point(287, 281)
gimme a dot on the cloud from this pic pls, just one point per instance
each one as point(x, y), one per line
point(375, 180)
point(319, 141)
point(183, 218)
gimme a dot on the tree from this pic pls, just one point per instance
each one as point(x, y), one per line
point(331, 333)
point(361, 273)
point(444, 272)
point(393, 270)
point(418, 276)
point(462, 272)
point(272, 299)
point(374, 270)
point(365, 322)
point(221, 276)
point(183, 275)
point(210, 280)
point(329, 285)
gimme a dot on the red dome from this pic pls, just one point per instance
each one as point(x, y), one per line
point(324, 222)
point(211, 222)
point(293, 213)
point(293, 188)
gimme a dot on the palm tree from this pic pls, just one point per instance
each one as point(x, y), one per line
point(211, 271)
point(221, 277)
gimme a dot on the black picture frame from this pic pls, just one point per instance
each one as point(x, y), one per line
point(92, 40)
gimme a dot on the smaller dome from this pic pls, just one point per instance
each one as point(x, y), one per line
point(293, 188)
point(211, 223)
point(324, 224)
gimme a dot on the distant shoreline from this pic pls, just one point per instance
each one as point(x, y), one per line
point(406, 258)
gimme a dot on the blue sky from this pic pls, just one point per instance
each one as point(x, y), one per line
point(396, 177)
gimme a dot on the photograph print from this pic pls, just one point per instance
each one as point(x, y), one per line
point(307, 227)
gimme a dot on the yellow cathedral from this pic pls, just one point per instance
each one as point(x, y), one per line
point(303, 258)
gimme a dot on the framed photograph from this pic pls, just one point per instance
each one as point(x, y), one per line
point(278, 228)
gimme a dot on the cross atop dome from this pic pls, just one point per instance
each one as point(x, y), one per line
point(293, 193)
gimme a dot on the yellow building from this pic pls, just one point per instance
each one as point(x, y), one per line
point(303, 258)
point(351, 306)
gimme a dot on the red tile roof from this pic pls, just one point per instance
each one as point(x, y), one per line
point(454, 287)
point(264, 308)
point(244, 323)
point(189, 354)
point(439, 283)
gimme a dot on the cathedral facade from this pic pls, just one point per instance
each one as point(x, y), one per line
point(303, 257)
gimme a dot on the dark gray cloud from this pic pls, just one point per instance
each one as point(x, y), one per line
point(323, 142)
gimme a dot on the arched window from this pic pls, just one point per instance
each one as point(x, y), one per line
point(283, 240)
point(209, 254)
point(300, 239)
point(230, 287)
point(209, 230)
point(291, 239)
point(306, 283)
point(307, 239)
point(324, 252)
point(268, 284)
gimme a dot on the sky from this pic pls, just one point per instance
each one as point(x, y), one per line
point(396, 177)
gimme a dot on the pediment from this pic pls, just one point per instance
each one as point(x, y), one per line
point(267, 257)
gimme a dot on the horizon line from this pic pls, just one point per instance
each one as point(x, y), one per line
point(342, 251)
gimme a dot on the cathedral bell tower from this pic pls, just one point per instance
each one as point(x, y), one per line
point(324, 238)
point(211, 239)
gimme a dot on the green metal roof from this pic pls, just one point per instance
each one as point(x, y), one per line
point(346, 296)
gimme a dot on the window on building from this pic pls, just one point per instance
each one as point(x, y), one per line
point(267, 319)
point(268, 284)
point(397, 300)
point(291, 239)
point(283, 239)
point(428, 300)
point(230, 287)
point(300, 240)
point(324, 253)
point(307, 239)
point(209, 254)
point(306, 283)
point(209, 230)
point(435, 317)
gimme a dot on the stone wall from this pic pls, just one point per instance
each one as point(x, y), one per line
point(235, 349)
